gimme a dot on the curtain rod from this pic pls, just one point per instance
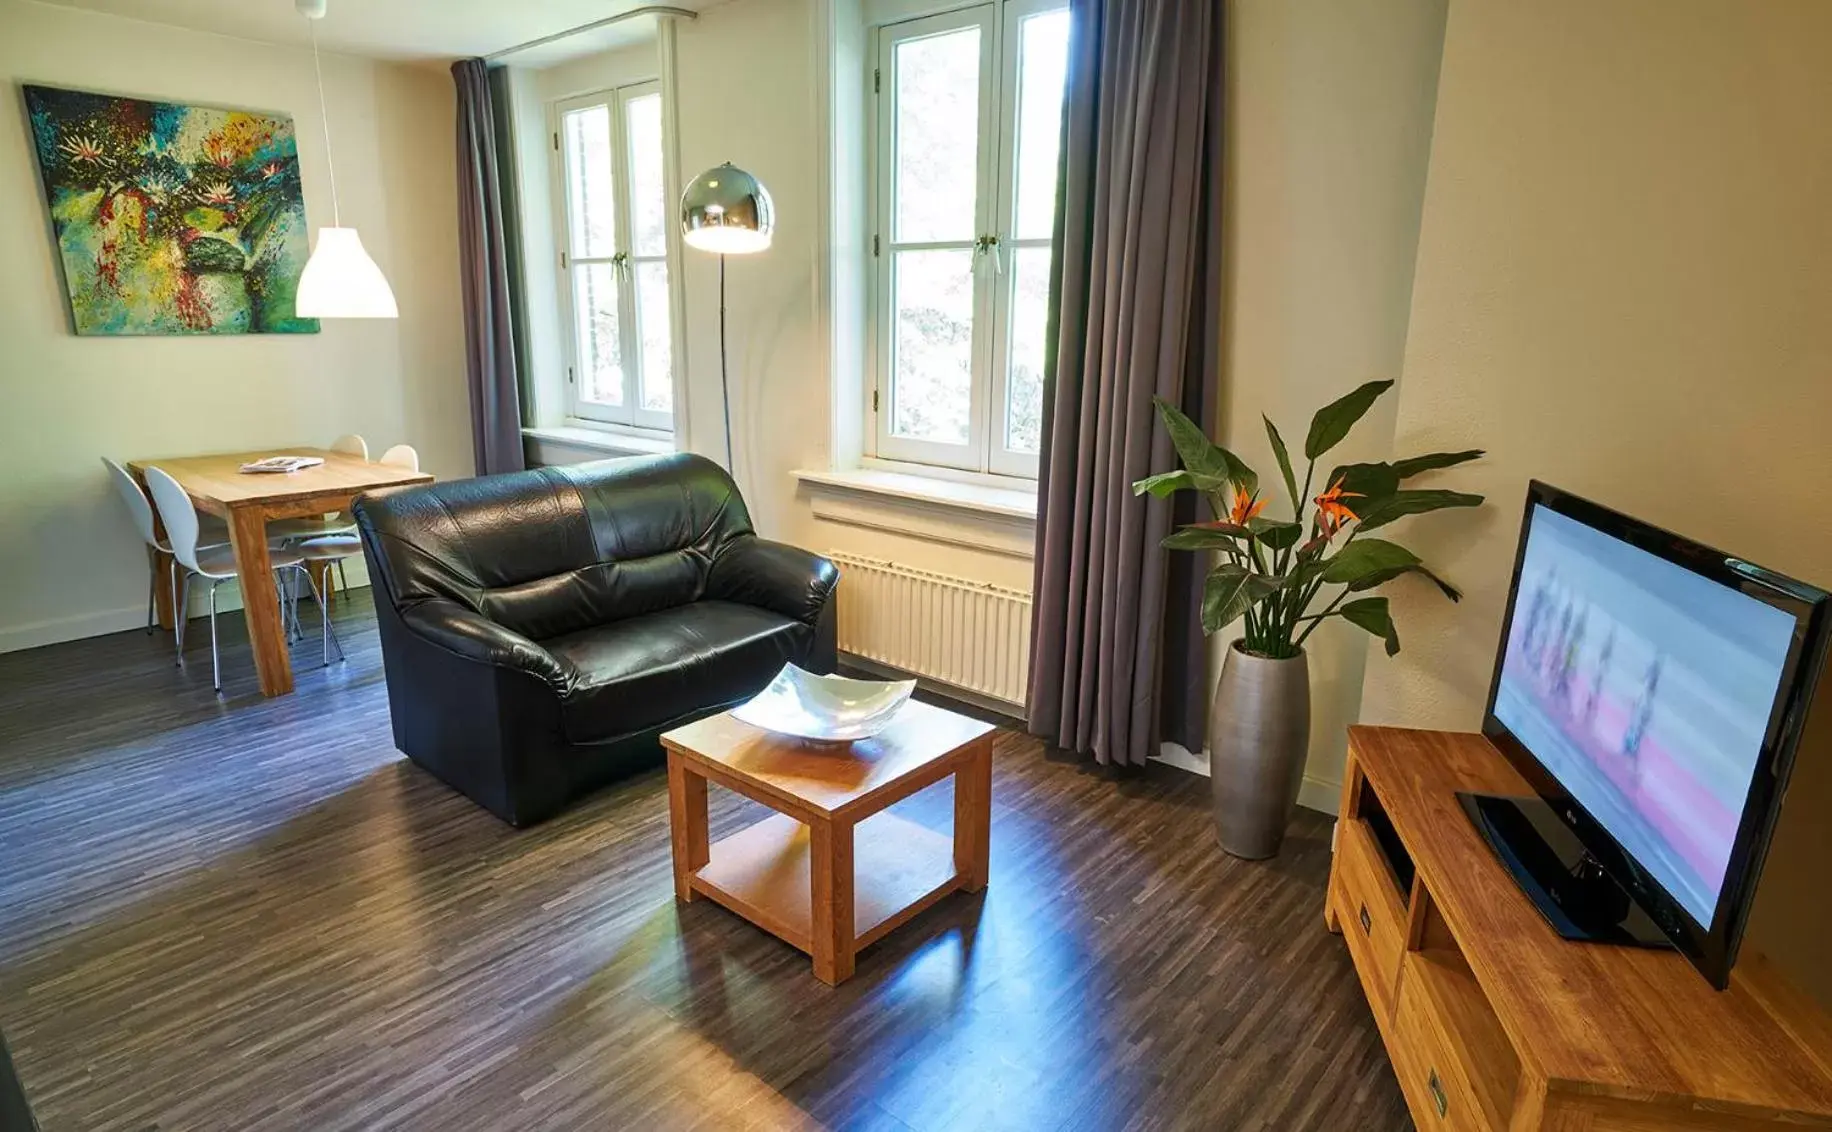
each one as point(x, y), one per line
point(645, 10)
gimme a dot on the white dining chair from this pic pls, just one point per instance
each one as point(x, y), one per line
point(338, 548)
point(214, 564)
point(320, 526)
point(210, 533)
point(401, 456)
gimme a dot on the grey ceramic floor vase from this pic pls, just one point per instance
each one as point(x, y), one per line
point(1259, 734)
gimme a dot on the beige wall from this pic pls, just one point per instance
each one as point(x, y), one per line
point(1624, 284)
point(748, 80)
point(1328, 131)
point(71, 562)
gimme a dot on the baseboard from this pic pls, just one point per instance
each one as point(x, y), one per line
point(1318, 794)
point(99, 623)
point(16, 638)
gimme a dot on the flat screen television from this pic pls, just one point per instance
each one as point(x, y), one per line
point(1652, 692)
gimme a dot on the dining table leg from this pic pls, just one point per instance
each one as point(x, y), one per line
point(260, 600)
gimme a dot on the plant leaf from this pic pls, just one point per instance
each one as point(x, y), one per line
point(1229, 592)
point(1382, 577)
point(1284, 458)
point(1164, 483)
point(1370, 481)
point(1402, 503)
point(1431, 462)
point(1202, 456)
point(1449, 591)
point(1275, 533)
point(1371, 613)
point(1365, 557)
point(1202, 538)
point(1334, 420)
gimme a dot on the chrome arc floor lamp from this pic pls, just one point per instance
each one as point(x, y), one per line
point(728, 212)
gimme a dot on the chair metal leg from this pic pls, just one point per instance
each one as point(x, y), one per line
point(177, 610)
point(327, 636)
point(216, 670)
point(289, 603)
point(181, 605)
point(343, 579)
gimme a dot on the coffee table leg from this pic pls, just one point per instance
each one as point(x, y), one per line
point(830, 874)
point(973, 816)
point(686, 825)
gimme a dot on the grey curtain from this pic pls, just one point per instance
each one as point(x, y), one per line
point(1118, 660)
point(483, 264)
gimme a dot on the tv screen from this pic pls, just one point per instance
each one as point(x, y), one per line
point(1646, 690)
point(1652, 692)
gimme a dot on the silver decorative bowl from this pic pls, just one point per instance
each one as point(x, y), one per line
point(828, 708)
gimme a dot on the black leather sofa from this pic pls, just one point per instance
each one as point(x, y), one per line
point(541, 629)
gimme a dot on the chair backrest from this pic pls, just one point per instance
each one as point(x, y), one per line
point(138, 508)
point(179, 515)
point(351, 444)
point(401, 456)
point(557, 549)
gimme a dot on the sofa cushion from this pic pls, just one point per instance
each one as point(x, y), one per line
point(645, 671)
point(557, 550)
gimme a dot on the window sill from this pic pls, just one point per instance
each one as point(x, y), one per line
point(556, 445)
point(1002, 501)
point(994, 520)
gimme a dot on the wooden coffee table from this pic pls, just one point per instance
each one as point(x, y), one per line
point(830, 872)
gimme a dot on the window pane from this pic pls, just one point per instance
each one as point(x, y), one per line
point(1043, 61)
point(932, 366)
point(1030, 313)
point(648, 200)
point(652, 320)
point(588, 173)
point(600, 353)
point(937, 95)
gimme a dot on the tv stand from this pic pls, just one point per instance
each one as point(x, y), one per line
point(1493, 1021)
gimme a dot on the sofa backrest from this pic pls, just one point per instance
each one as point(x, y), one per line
point(558, 549)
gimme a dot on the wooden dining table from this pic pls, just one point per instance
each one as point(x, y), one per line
point(248, 502)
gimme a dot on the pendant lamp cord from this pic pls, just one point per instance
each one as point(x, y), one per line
point(324, 116)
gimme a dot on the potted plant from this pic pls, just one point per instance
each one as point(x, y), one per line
point(1283, 578)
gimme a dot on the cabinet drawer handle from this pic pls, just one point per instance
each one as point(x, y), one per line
point(1437, 1093)
point(1367, 922)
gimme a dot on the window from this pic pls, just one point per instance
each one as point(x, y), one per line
point(614, 261)
point(968, 119)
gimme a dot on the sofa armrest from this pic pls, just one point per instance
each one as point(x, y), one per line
point(774, 576)
point(447, 625)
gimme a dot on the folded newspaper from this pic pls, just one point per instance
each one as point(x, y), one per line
point(282, 464)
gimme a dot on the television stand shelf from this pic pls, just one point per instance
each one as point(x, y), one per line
point(1494, 1022)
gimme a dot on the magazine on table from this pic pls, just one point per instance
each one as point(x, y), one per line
point(273, 464)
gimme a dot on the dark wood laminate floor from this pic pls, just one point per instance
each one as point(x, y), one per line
point(257, 914)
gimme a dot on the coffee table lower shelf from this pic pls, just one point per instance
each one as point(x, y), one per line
point(762, 873)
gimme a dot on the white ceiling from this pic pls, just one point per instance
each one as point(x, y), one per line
point(417, 30)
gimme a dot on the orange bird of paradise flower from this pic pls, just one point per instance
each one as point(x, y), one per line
point(1244, 507)
point(1332, 512)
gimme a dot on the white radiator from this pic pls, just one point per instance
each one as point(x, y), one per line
point(969, 635)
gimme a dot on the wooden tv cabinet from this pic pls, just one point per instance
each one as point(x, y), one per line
point(1494, 1022)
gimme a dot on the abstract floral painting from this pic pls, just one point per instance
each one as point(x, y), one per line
point(172, 219)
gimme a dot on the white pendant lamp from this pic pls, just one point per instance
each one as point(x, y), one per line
point(339, 280)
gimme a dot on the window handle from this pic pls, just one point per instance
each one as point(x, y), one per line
point(986, 249)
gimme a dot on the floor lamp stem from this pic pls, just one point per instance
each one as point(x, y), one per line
point(725, 389)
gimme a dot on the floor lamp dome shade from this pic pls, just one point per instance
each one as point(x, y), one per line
point(341, 281)
point(728, 211)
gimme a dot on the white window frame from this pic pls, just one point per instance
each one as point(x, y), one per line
point(630, 414)
point(985, 452)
